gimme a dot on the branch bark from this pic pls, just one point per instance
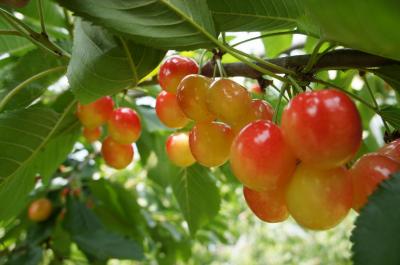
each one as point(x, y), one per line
point(334, 60)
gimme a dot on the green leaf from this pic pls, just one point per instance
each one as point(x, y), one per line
point(30, 256)
point(391, 74)
point(87, 231)
point(376, 236)
point(61, 241)
point(166, 24)
point(117, 207)
point(277, 44)
point(23, 135)
point(255, 15)
point(392, 115)
point(349, 23)
point(13, 44)
point(101, 66)
point(197, 196)
point(27, 66)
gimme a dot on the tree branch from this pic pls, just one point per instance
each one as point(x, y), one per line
point(334, 60)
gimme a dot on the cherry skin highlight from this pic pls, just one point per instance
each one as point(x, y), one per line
point(319, 199)
point(230, 102)
point(173, 70)
point(262, 110)
point(192, 97)
point(116, 155)
point(40, 210)
point(260, 157)
point(367, 173)
point(178, 150)
point(95, 114)
point(124, 126)
point(391, 150)
point(169, 112)
point(256, 89)
point(92, 135)
point(210, 143)
point(269, 206)
point(323, 128)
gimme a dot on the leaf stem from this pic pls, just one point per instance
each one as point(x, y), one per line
point(11, 32)
point(18, 88)
point(262, 36)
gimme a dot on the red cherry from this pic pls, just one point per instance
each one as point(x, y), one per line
point(230, 102)
point(319, 199)
point(124, 126)
point(367, 173)
point(40, 210)
point(269, 206)
point(95, 114)
point(323, 128)
point(260, 157)
point(92, 135)
point(262, 110)
point(169, 112)
point(173, 70)
point(178, 150)
point(116, 155)
point(192, 97)
point(210, 143)
point(256, 89)
point(391, 150)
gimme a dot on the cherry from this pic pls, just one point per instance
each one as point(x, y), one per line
point(15, 3)
point(92, 135)
point(173, 70)
point(95, 114)
point(260, 157)
point(319, 199)
point(192, 95)
point(124, 126)
point(366, 174)
point(262, 110)
point(40, 210)
point(116, 155)
point(269, 206)
point(210, 143)
point(391, 150)
point(230, 102)
point(169, 112)
point(256, 89)
point(178, 150)
point(323, 128)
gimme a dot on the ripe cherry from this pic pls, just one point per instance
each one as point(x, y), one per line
point(169, 112)
point(92, 135)
point(256, 89)
point(95, 114)
point(192, 97)
point(210, 143)
point(173, 70)
point(366, 174)
point(178, 150)
point(391, 150)
point(40, 210)
point(262, 110)
point(260, 157)
point(116, 155)
point(269, 206)
point(124, 126)
point(319, 199)
point(230, 102)
point(323, 128)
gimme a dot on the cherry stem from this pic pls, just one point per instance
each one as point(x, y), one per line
point(281, 94)
point(262, 36)
point(364, 77)
point(42, 23)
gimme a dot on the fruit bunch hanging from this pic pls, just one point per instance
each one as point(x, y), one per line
point(300, 168)
point(123, 128)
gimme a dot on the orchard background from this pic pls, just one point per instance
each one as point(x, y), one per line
point(56, 53)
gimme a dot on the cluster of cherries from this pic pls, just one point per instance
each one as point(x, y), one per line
point(123, 128)
point(297, 169)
